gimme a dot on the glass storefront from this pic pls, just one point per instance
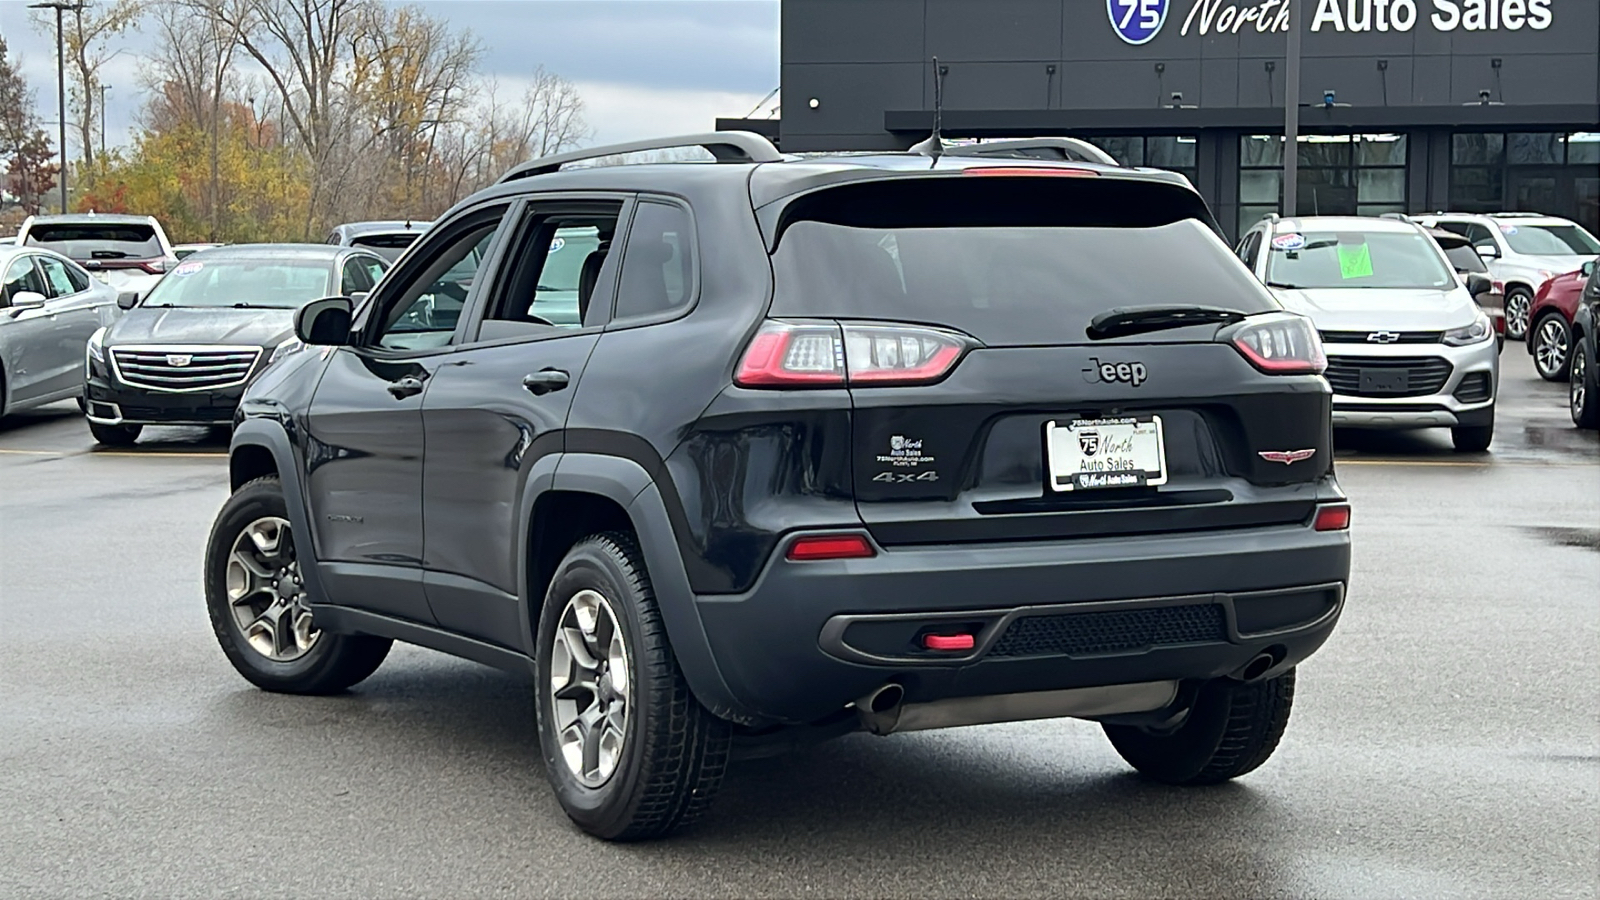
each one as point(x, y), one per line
point(1344, 174)
point(1175, 153)
point(1548, 172)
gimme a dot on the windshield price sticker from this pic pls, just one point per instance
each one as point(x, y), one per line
point(1289, 242)
point(188, 268)
point(1086, 454)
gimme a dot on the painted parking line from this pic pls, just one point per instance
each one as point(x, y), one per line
point(148, 454)
point(1459, 464)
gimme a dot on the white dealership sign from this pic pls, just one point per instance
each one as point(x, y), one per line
point(1231, 17)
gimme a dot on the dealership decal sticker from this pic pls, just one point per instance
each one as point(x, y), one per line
point(1137, 21)
point(1233, 16)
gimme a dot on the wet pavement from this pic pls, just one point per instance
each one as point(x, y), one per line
point(1445, 743)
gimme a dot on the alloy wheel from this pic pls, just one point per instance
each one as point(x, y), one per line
point(1550, 346)
point(590, 677)
point(1517, 307)
point(1578, 385)
point(266, 593)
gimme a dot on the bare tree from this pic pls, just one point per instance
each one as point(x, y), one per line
point(88, 32)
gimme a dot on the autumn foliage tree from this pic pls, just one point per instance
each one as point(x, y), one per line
point(26, 153)
point(276, 119)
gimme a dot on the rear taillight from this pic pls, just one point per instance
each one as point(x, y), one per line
point(1333, 517)
point(155, 266)
point(804, 354)
point(830, 546)
point(1280, 345)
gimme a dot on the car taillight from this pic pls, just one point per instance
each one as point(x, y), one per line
point(1031, 170)
point(1280, 345)
point(802, 354)
point(154, 266)
point(830, 546)
point(1333, 517)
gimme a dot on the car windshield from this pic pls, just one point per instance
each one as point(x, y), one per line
point(1550, 240)
point(96, 241)
point(387, 246)
point(1355, 259)
point(267, 283)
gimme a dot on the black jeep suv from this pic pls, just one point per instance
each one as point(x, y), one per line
point(871, 442)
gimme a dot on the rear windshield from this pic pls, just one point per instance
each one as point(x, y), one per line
point(98, 241)
point(387, 246)
point(1550, 240)
point(1465, 258)
point(275, 284)
point(1006, 285)
point(1355, 259)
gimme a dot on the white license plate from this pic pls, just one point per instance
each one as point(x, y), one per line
point(1085, 454)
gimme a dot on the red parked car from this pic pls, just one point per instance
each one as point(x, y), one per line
point(1550, 324)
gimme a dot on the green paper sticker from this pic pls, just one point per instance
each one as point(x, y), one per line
point(1355, 261)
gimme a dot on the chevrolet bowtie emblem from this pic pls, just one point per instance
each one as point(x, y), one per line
point(1382, 337)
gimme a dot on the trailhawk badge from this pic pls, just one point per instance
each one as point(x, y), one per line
point(1286, 456)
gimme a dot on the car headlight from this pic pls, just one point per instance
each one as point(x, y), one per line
point(292, 345)
point(1480, 330)
point(97, 350)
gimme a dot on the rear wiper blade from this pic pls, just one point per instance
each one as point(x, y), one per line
point(1140, 319)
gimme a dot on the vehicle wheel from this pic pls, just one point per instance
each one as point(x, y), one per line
point(1472, 438)
point(115, 435)
point(628, 749)
point(1551, 343)
point(1518, 303)
point(258, 606)
point(1583, 391)
point(1232, 728)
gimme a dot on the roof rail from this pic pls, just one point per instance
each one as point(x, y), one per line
point(724, 146)
point(1070, 150)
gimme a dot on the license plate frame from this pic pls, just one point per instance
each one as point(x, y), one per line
point(1384, 381)
point(1069, 444)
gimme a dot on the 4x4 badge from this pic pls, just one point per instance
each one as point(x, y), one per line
point(1286, 456)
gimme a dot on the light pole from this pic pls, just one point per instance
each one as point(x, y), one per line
point(103, 89)
point(1291, 115)
point(60, 6)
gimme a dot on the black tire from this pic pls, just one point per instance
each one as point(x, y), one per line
point(1232, 729)
point(1518, 303)
point(1550, 343)
point(673, 750)
point(115, 435)
point(333, 662)
point(1583, 385)
point(1472, 438)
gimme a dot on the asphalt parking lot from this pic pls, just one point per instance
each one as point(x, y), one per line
point(1445, 743)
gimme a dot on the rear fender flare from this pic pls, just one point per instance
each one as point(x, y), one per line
point(270, 436)
point(627, 483)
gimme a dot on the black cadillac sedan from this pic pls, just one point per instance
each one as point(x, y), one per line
point(184, 354)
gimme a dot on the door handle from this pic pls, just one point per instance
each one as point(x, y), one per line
point(544, 381)
point(409, 386)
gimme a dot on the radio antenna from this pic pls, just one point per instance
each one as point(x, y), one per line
point(934, 144)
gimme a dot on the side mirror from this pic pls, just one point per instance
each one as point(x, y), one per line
point(127, 299)
point(325, 322)
point(1478, 283)
point(22, 301)
point(1588, 269)
point(1488, 251)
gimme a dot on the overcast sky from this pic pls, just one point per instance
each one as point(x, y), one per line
point(644, 67)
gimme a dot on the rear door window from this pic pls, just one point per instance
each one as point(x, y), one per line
point(94, 241)
point(55, 274)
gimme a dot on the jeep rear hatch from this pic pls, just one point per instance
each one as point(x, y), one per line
point(998, 415)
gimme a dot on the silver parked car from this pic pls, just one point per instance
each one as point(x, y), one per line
point(49, 306)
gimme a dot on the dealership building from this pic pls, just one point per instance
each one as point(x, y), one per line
point(1405, 105)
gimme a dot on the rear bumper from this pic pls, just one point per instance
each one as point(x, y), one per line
point(811, 637)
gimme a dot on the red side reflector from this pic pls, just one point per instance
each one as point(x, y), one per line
point(949, 641)
point(830, 546)
point(1332, 518)
point(1031, 170)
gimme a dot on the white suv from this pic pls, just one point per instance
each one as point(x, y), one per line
point(1407, 345)
point(1523, 251)
point(130, 253)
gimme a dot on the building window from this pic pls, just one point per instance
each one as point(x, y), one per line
point(1344, 174)
point(1165, 152)
point(1528, 171)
